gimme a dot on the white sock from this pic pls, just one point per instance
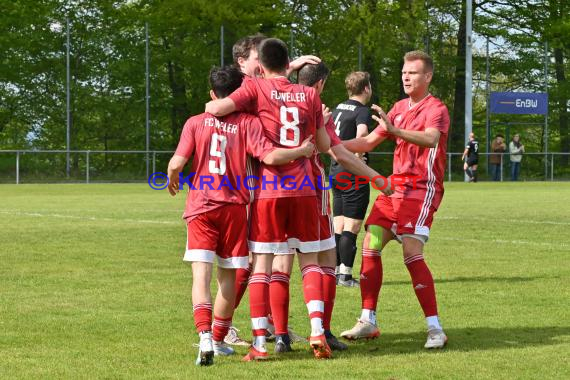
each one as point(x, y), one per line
point(368, 316)
point(337, 270)
point(345, 270)
point(433, 323)
point(259, 343)
point(317, 327)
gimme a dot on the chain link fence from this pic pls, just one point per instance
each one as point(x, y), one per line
point(49, 166)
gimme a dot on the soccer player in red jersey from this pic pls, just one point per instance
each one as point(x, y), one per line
point(215, 207)
point(420, 126)
point(315, 75)
point(246, 57)
point(286, 195)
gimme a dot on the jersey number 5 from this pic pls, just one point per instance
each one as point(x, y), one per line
point(288, 125)
point(221, 154)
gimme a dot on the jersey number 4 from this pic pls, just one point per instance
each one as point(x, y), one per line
point(221, 154)
point(289, 125)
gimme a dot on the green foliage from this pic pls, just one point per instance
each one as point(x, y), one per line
point(108, 59)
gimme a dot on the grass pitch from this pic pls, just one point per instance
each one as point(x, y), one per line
point(92, 286)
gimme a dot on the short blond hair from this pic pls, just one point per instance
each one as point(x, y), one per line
point(356, 82)
point(422, 56)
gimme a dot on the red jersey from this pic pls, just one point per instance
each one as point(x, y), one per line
point(427, 165)
point(220, 147)
point(289, 113)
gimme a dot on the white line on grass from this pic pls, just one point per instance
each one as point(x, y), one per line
point(518, 221)
point(92, 218)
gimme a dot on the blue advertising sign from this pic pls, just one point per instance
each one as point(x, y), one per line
point(521, 103)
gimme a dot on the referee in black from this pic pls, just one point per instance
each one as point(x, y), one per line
point(472, 154)
point(351, 118)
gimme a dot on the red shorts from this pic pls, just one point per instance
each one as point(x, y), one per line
point(402, 216)
point(221, 234)
point(326, 229)
point(279, 224)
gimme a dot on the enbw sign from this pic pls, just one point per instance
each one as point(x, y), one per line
point(519, 103)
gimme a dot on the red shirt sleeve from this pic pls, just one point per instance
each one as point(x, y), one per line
point(319, 111)
point(438, 118)
point(257, 145)
point(245, 97)
point(187, 142)
point(330, 128)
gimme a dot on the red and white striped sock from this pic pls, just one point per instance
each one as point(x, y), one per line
point(313, 295)
point(279, 297)
point(258, 293)
point(220, 328)
point(423, 284)
point(203, 316)
point(329, 295)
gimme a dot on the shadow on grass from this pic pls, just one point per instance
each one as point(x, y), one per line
point(463, 340)
point(472, 279)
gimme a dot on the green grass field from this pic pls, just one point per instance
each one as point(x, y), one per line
point(92, 286)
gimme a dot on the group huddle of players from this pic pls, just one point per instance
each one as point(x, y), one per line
point(262, 127)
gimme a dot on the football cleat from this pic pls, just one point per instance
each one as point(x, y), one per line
point(205, 350)
point(320, 347)
point(348, 282)
point(232, 338)
point(334, 343)
point(436, 339)
point(282, 344)
point(362, 330)
point(254, 355)
point(222, 349)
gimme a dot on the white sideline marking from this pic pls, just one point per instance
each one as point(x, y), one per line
point(145, 221)
point(501, 241)
point(518, 221)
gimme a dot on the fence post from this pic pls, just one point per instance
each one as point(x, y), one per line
point(87, 167)
point(154, 161)
point(17, 167)
point(551, 167)
point(449, 166)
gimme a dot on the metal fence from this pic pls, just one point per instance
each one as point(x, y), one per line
point(96, 166)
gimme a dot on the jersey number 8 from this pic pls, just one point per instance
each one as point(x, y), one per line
point(289, 126)
point(214, 152)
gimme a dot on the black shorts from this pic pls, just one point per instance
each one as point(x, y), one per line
point(472, 161)
point(351, 203)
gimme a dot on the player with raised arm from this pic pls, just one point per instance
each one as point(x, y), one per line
point(246, 57)
point(351, 119)
point(286, 196)
point(471, 158)
point(215, 207)
point(420, 126)
point(315, 75)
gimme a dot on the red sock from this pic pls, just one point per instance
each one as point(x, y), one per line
point(313, 295)
point(258, 293)
point(203, 317)
point(242, 279)
point(329, 294)
point(279, 297)
point(370, 278)
point(221, 327)
point(423, 283)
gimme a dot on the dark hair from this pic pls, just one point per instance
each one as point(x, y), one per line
point(499, 135)
point(225, 80)
point(273, 54)
point(356, 82)
point(310, 74)
point(242, 48)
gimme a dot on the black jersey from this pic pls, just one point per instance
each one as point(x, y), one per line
point(346, 117)
point(472, 149)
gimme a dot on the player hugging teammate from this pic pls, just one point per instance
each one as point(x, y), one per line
point(280, 124)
